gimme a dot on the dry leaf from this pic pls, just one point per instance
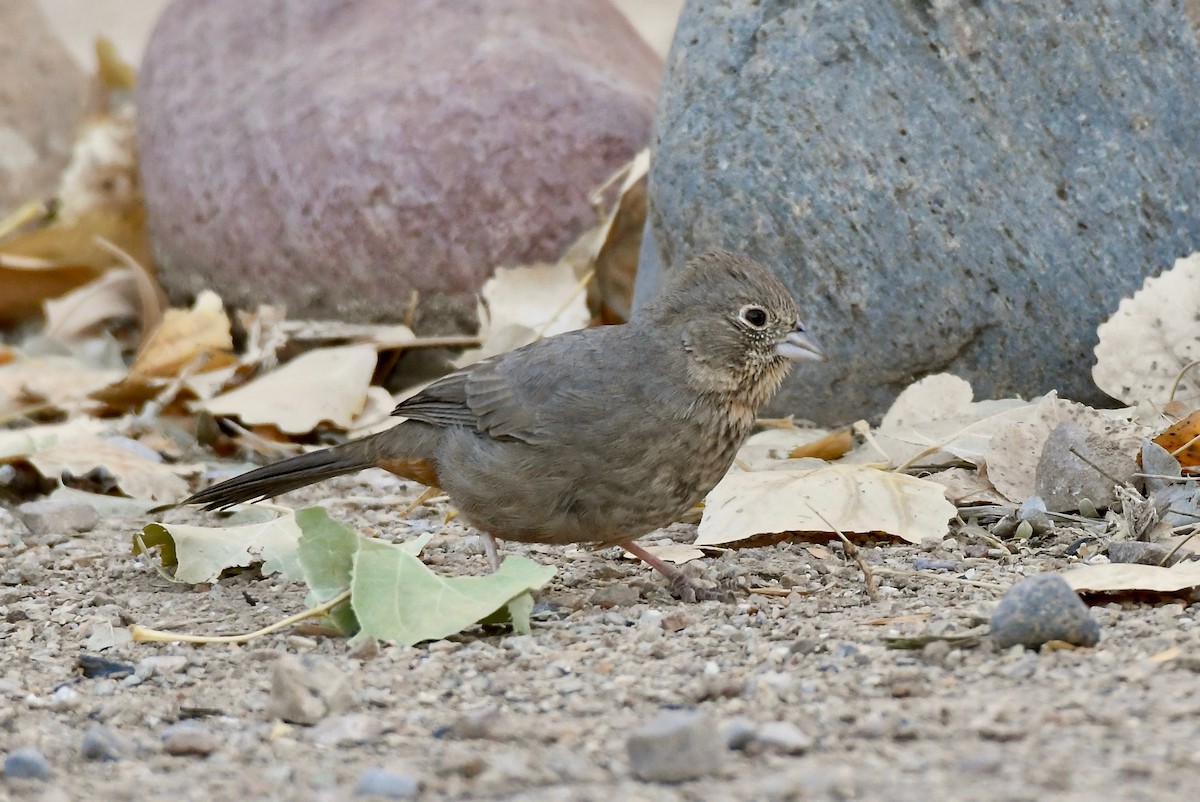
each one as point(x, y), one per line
point(931, 398)
point(964, 487)
point(1183, 437)
point(832, 446)
point(1014, 451)
point(82, 445)
point(183, 337)
point(28, 283)
point(617, 260)
point(520, 304)
point(936, 415)
point(771, 449)
point(1151, 337)
point(852, 498)
point(136, 474)
point(1131, 577)
point(338, 332)
point(60, 382)
point(678, 553)
point(82, 311)
point(328, 385)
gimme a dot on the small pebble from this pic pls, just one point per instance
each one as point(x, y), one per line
point(348, 729)
point(616, 596)
point(306, 689)
point(57, 517)
point(27, 763)
point(475, 723)
point(674, 746)
point(103, 744)
point(927, 564)
point(158, 665)
point(189, 738)
point(784, 737)
point(387, 784)
point(739, 733)
point(1043, 608)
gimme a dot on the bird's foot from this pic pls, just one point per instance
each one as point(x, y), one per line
point(680, 585)
point(685, 590)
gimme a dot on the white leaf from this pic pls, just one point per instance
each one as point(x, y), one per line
point(853, 498)
point(1151, 337)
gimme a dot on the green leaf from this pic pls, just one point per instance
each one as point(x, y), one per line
point(519, 609)
point(396, 597)
point(203, 552)
point(326, 553)
point(156, 535)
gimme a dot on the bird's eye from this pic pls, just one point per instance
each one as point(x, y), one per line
point(753, 316)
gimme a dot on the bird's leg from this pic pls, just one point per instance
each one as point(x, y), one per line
point(677, 580)
point(492, 549)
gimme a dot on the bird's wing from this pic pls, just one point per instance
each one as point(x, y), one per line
point(506, 396)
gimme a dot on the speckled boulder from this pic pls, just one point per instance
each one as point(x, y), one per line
point(42, 98)
point(953, 186)
point(336, 155)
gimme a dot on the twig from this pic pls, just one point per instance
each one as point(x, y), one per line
point(411, 315)
point(853, 552)
point(143, 635)
point(1167, 478)
point(426, 494)
point(1179, 377)
point(1166, 561)
point(1095, 467)
point(1185, 446)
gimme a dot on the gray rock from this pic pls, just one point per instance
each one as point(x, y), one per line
point(189, 738)
point(57, 517)
point(27, 763)
point(1043, 608)
point(617, 595)
point(1076, 464)
point(946, 186)
point(674, 746)
point(784, 737)
point(103, 744)
point(38, 113)
point(380, 148)
point(1137, 551)
point(387, 784)
point(306, 689)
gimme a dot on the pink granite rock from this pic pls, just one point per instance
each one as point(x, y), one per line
point(336, 155)
point(42, 98)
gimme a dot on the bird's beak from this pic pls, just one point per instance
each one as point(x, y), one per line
point(800, 346)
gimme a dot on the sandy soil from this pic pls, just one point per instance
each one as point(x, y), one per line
point(488, 715)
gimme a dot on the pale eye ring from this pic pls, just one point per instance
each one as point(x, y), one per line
point(753, 316)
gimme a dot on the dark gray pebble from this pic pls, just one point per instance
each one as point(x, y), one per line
point(387, 784)
point(27, 763)
point(1043, 608)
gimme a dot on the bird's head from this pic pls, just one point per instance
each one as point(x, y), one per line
point(738, 324)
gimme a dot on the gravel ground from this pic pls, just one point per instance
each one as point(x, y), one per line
point(801, 691)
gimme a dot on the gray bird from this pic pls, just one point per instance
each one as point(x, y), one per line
point(596, 436)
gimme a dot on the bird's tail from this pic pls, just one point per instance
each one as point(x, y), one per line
point(383, 450)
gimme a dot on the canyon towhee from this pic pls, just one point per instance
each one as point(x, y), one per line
point(594, 436)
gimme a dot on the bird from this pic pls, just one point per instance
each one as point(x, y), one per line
point(596, 436)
